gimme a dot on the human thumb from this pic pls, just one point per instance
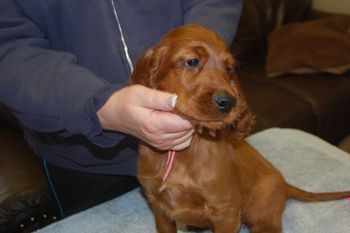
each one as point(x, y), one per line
point(158, 100)
point(172, 101)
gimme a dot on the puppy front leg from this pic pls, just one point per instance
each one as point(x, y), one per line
point(163, 223)
point(227, 221)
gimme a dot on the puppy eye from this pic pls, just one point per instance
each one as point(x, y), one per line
point(193, 63)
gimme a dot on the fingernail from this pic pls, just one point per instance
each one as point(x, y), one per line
point(173, 100)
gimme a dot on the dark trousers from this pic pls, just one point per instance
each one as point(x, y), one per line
point(75, 191)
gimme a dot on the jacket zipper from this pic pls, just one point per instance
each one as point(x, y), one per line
point(122, 38)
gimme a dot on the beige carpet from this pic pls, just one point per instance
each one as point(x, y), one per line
point(345, 144)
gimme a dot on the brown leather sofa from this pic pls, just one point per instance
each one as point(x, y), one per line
point(319, 104)
point(25, 203)
point(316, 103)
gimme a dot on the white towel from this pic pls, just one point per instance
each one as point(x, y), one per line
point(305, 160)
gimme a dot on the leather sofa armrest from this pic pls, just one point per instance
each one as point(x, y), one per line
point(25, 203)
point(27, 211)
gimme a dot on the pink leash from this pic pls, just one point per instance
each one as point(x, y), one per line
point(169, 164)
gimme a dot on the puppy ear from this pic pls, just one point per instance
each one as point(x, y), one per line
point(245, 121)
point(147, 68)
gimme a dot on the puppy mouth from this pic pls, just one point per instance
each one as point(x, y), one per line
point(219, 113)
point(213, 124)
point(209, 126)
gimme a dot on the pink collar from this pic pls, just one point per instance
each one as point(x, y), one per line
point(169, 164)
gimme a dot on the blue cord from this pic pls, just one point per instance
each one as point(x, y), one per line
point(53, 189)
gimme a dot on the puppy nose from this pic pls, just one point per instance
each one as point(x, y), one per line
point(224, 101)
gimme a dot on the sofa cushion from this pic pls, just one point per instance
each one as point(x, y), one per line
point(316, 103)
point(272, 105)
point(258, 19)
point(315, 46)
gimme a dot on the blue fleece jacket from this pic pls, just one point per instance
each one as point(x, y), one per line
point(61, 59)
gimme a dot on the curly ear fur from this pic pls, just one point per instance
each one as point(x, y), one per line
point(147, 67)
point(245, 121)
point(243, 125)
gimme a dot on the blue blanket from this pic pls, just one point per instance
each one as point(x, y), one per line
point(305, 160)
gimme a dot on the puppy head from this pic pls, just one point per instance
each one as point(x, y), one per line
point(195, 63)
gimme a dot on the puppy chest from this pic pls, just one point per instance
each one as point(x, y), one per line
point(186, 205)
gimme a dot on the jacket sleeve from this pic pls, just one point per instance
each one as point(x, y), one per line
point(221, 16)
point(47, 90)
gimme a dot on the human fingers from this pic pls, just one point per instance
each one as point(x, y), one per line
point(130, 103)
point(172, 141)
point(155, 99)
point(182, 145)
point(183, 142)
point(163, 139)
point(169, 122)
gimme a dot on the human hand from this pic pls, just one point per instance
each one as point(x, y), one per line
point(146, 114)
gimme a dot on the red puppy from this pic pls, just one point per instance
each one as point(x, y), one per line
point(220, 181)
